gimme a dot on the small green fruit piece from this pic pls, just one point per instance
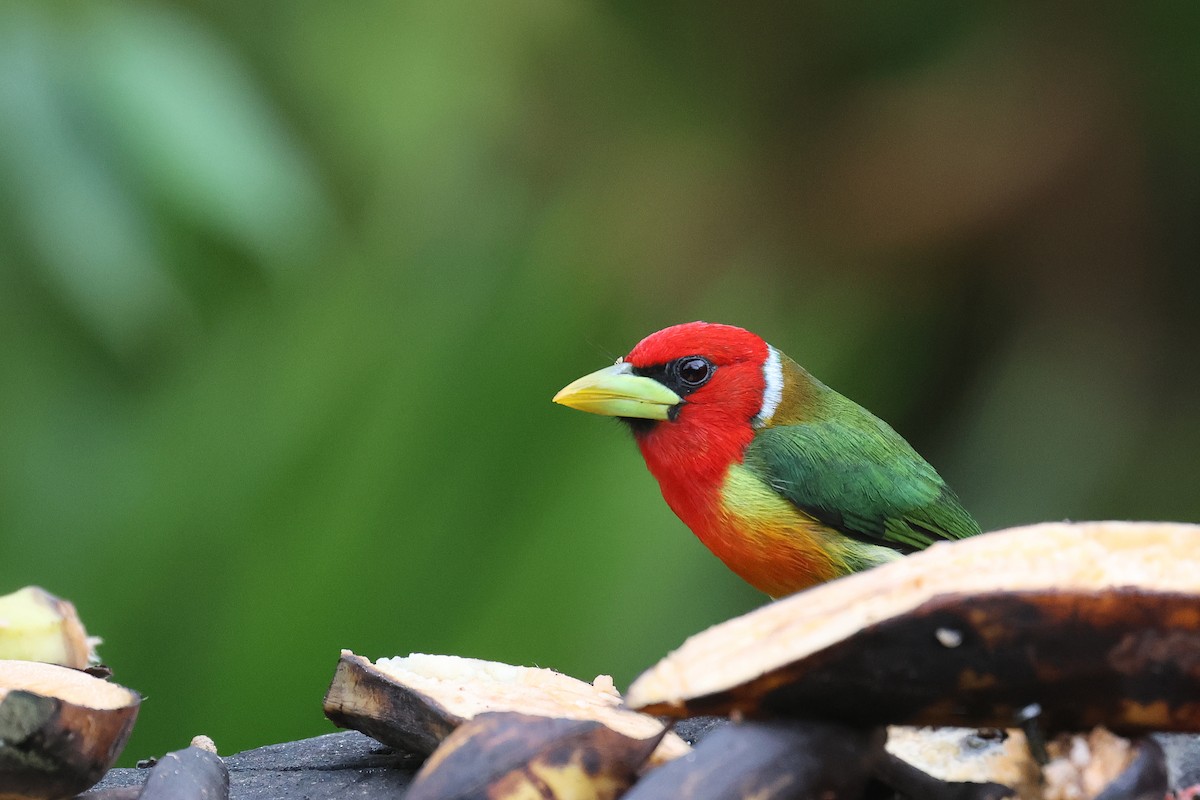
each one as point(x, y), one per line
point(37, 626)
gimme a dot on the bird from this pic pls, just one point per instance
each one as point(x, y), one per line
point(786, 481)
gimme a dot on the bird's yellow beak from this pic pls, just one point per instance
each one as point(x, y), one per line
point(616, 392)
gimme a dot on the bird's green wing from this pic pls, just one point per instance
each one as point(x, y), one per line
point(861, 478)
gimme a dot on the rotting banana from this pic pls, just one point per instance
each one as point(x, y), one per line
point(509, 756)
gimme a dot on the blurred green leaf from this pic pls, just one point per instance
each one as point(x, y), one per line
point(190, 124)
point(71, 213)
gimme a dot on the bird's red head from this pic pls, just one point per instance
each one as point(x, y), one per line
point(716, 369)
point(728, 381)
point(694, 396)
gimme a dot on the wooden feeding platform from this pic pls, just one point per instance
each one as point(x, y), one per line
point(1052, 662)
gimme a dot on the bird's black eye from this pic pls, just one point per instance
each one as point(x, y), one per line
point(694, 371)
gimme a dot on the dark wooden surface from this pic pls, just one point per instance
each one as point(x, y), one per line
point(339, 765)
point(352, 766)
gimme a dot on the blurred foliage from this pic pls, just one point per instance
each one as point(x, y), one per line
point(285, 290)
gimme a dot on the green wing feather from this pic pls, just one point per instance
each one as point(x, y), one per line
point(853, 472)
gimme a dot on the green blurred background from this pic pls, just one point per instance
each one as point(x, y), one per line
point(285, 290)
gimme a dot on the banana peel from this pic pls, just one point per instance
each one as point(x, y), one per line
point(1080, 766)
point(60, 729)
point(513, 756)
point(970, 755)
point(1097, 623)
point(413, 703)
point(769, 760)
point(1100, 764)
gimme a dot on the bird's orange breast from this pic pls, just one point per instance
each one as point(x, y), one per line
point(757, 533)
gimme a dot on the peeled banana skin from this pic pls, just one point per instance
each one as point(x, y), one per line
point(776, 760)
point(512, 756)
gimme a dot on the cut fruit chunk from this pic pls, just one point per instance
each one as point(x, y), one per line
point(1092, 623)
point(37, 626)
point(414, 703)
point(504, 755)
point(60, 729)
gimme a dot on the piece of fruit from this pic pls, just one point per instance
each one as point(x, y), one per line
point(1097, 623)
point(990, 755)
point(1101, 764)
point(60, 729)
point(769, 760)
point(508, 756)
point(37, 626)
point(413, 703)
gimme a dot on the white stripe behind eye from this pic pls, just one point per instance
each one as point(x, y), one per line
point(772, 387)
